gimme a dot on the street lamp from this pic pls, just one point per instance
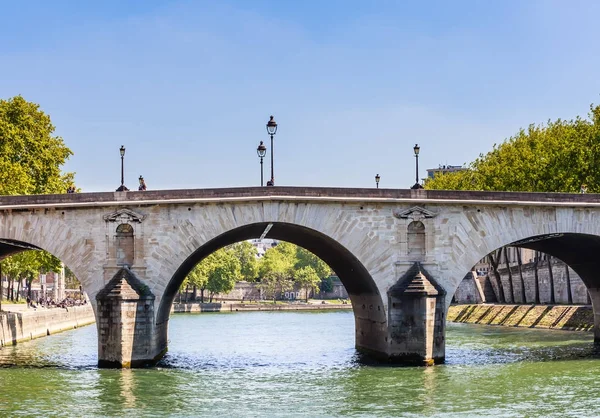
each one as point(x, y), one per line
point(122, 187)
point(271, 130)
point(261, 151)
point(377, 178)
point(417, 185)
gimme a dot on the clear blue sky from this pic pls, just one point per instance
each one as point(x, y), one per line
point(187, 86)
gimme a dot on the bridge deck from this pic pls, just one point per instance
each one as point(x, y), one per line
point(241, 194)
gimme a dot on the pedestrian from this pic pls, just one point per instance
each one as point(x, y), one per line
point(583, 188)
point(142, 184)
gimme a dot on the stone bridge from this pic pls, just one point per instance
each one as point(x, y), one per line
point(401, 254)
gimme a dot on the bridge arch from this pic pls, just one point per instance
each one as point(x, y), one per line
point(368, 305)
point(571, 235)
point(55, 236)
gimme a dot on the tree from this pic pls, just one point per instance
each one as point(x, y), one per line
point(557, 157)
point(216, 273)
point(246, 253)
point(198, 278)
point(307, 259)
point(560, 156)
point(308, 279)
point(71, 282)
point(224, 272)
point(30, 155)
point(277, 268)
point(28, 265)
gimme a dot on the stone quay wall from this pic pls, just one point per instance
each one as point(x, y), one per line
point(22, 326)
point(555, 272)
point(553, 277)
point(562, 317)
point(242, 307)
point(251, 292)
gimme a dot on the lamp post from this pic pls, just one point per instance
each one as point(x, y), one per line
point(261, 151)
point(377, 178)
point(122, 187)
point(417, 185)
point(271, 130)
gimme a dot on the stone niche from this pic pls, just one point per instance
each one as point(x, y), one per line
point(416, 318)
point(125, 322)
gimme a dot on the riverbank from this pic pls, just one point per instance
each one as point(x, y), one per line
point(563, 317)
point(27, 324)
point(267, 306)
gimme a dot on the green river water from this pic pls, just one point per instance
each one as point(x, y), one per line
point(303, 364)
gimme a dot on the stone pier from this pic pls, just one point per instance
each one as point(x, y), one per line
point(126, 329)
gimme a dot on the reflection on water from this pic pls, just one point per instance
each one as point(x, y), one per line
point(303, 364)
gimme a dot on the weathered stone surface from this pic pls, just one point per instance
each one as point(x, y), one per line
point(576, 318)
point(126, 322)
point(22, 326)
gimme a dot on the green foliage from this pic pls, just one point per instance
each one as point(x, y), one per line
point(557, 157)
point(308, 278)
point(28, 264)
point(225, 271)
point(30, 156)
point(217, 273)
point(327, 284)
point(279, 269)
point(71, 282)
point(246, 253)
point(307, 259)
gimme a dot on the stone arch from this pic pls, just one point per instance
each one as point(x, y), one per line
point(124, 244)
point(571, 235)
point(57, 237)
point(416, 239)
point(369, 308)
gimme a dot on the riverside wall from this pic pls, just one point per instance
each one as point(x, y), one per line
point(241, 307)
point(26, 325)
point(563, 317)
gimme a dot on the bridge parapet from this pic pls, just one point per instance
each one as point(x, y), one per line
point(240, 194)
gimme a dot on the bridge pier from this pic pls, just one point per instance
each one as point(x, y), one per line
point(595, 298)
point(416, 319)
point(126, 326)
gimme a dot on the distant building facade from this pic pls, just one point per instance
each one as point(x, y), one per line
point(443, 169)
point(262, 245)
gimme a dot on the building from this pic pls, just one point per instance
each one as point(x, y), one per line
point(443, 169)
point(262, 245)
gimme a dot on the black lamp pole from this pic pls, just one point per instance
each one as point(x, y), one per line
point(261, 151)
point(272, 130)
point(377, 178)
point(417, 185)
point(122, 187)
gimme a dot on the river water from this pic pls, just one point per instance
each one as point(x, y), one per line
point(303, 364)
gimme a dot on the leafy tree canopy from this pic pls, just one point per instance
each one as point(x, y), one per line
point(217, 273)
point(308, 278)
point(246, 253)
point(30, 155)
point(307, 259)
point(277, 270)
point(557, 157)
